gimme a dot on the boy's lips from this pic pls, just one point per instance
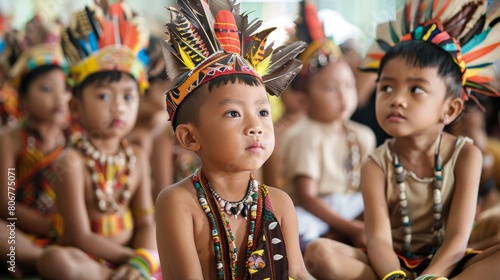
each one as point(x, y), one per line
point(117, 123)
point(254, 147)
point(395, 115)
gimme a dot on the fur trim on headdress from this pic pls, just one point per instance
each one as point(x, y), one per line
point(105, 38)
point(466, 29)
point(320, 50)
point(213, 39)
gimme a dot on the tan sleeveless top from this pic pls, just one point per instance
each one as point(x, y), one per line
point(420, 198)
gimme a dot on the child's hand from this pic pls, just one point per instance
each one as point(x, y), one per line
point(126, 272)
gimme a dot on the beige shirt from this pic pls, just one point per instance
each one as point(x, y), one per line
point(312, 149)
point(420, 198)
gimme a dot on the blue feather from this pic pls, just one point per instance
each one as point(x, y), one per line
point(475, 41)
point(94, 45)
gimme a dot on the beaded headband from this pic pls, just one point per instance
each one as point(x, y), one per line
point(210, 40)
point(38, 46)
point(320, 50)
point(106, 38)
point(466, 29)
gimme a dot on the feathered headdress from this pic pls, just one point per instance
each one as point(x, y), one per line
point(38, 45)
point(209, 40)
point(320, 50)
point(105, 38)
point(466, 29)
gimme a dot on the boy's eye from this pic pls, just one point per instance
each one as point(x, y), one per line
point(104, 97)
point(232, 114)
point(264, 113)
point(128, 97)
point(45, 88)
point(417, 90)
point(386, 88)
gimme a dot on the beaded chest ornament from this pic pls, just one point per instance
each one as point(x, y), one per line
point(225, 247)
point(437, 206)
point(109, 173)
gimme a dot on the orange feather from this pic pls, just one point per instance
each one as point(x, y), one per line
point(226, 31)
point(479, 53)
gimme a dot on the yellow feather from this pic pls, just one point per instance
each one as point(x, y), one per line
point(263, 66)
point(186, 59)
point(473, 72)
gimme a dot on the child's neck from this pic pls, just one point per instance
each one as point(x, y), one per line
point(107, 146)
point(416, 151)
point(231, 186)
point(337, 126)
point(51, 133)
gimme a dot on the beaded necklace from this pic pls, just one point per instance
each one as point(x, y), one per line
point(437, 203)
point(235, 208)
point(225, 248)
point(109, 173)
point(353, 164)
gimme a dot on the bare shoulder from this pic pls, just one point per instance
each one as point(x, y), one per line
point(470, 155)
point(10, 140)
point(69, 160)
point(282, 203)
point(181, 194)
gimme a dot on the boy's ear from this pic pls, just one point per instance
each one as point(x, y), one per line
point(455, 108)
point(75, 108)
point(187, 138)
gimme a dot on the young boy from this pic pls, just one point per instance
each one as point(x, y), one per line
point(420, 187)
point(104, 222)
point(323, 152)
point(219, 223)
point(27, 150)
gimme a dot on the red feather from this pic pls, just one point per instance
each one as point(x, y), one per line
point(314, 26)
point(108, 34)
point(226, 31)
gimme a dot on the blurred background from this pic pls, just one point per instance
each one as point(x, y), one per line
point(342, 19)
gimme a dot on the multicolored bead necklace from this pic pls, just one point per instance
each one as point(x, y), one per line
point(437, 206)
point(109, 173)
point(353, 164)
point(225, 248)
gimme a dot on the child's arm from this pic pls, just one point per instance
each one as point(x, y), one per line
point(27, 219)
point(283, 207)
point(174, 233)
point(70, 191)
point(141, 205)
point(459, 225)
point(381, 254)
point(307, 193)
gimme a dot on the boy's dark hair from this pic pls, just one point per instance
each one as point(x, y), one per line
point(32, 75)
point(423, 54)
point(106, 76)
point(188, 111)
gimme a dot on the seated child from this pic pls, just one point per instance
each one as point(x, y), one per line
point(28, 149)
point(104, 226)
point(9, 99)
point(220, 223)
point(323, 152)
point(293, 102)
point(420, 187)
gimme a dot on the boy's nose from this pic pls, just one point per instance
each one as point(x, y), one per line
point(398, 100)
point(254, 127)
